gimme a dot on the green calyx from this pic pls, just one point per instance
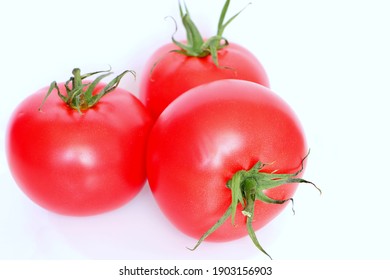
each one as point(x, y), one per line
point(246, 187)
point(195, 45)
point(80, 96)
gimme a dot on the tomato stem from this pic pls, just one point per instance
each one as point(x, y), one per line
point(246, 187)
point(195, 45)
point(81, 96)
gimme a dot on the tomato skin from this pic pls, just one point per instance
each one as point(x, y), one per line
point(208, 134)
point(79, 164)
point(170, 74)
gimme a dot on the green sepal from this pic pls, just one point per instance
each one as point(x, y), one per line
point(246, 187)
point(224, 217)
point(195, 45)
point(79, 96)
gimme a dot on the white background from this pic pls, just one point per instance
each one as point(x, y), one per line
point(330, 60)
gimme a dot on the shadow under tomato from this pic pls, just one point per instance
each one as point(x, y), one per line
point(140, 231)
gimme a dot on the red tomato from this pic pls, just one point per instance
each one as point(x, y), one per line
point(177, 67)
point(79, 163)
point(209, 134)
point(170, 74)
